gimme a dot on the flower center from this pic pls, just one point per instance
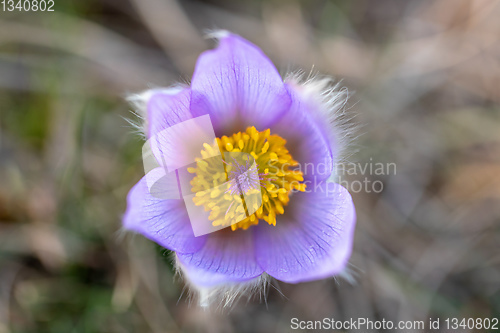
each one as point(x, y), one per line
point(229, 194)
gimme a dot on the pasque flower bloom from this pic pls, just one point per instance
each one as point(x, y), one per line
point(303, 229)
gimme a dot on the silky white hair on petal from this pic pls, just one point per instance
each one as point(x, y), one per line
point(330, 99)
point(216, 33)
point(349, 274)
point(140, 101)
point(223, 296)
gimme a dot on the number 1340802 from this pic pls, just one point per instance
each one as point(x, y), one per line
point(27, 5)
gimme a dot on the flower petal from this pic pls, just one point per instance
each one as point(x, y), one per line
point(167, 107)
point(165, 222)
point(237, 84)
point(226, 257)
point(306, 139)
point(314, 242)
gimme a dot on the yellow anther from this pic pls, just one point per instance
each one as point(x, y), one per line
point(279, 207)
point(272, 218)
point(265, 147)
point(218, 222)
point(276, 180)
point(301, 187)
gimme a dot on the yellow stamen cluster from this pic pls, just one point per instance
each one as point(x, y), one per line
point(277, 180)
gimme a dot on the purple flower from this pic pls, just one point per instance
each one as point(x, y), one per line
point(303, 228)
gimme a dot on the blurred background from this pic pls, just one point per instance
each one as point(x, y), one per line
point(424, 78)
